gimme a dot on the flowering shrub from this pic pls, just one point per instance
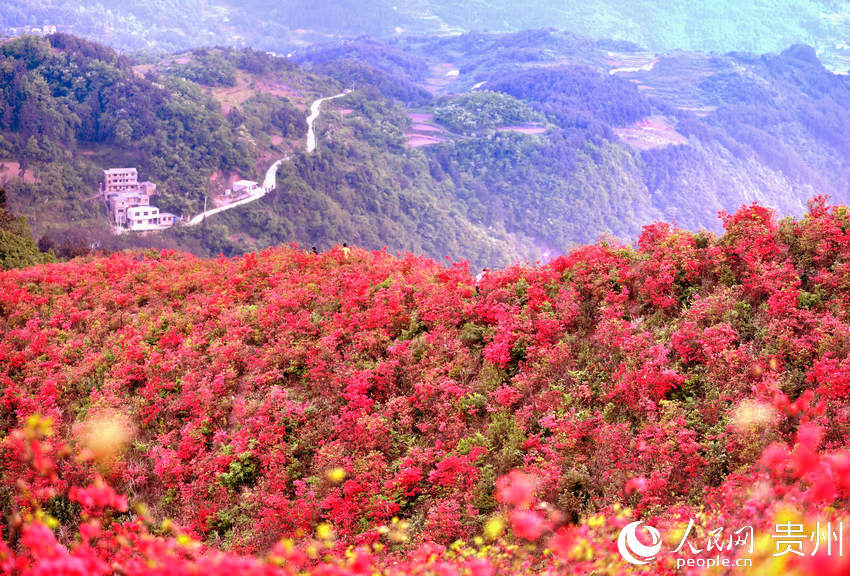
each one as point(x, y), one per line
point(285, 412)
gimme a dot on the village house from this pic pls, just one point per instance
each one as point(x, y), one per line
point(128, 201)
point(242, 186)
point(45, 30)
point(148, 218)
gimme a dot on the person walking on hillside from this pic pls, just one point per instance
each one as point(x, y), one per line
point(345, 249)
point(479, 277)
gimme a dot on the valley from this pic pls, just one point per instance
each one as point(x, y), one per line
point(541, 141)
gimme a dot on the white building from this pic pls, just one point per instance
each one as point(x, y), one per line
point(142, 217)
point(149, 218)
point(244, 186)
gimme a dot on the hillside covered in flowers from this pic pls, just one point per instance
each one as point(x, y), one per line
point(354, 412)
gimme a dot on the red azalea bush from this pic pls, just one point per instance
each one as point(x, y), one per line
point(354, 413)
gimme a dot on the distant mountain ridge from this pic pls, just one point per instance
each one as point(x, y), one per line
point(281, 25)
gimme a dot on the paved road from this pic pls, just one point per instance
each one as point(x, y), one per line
point(315, 110)
point(269, 184)
point(270, 181)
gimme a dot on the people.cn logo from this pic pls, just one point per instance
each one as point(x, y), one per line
point(633, 550)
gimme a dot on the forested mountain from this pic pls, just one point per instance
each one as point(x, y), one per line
point(69, 108)
point(194, 121)
point(629, 135)
point(486, 147)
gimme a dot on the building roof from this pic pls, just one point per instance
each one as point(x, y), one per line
point(118, 170)
point(245, 183)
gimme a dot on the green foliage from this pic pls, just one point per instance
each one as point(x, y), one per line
point(490, 377)
point(576, 496)
point(208, 67)
point(483, 495)
point(17, 247)
point(66, 511)
point(83, 95)
point(812, 300)
point(262, 111)
point(243, 471)
point(505, 440)
point(224, 520)
point(472, 333)
point(483, 110)
point(471, 401)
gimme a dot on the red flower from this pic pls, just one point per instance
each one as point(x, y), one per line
point(527, 524)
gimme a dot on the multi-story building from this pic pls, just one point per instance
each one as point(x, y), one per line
point(119, 180)
point(122, 193)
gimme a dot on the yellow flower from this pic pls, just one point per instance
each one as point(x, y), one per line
point(324, 531)
point(494, 527)
point(37, 425)
point(335, 475)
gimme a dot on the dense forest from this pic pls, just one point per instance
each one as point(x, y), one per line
point(17, 248)
point(58, 105)
point(71, 108)
point(700, 110)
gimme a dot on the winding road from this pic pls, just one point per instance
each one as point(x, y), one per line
point(270, 182)
point(315, 110)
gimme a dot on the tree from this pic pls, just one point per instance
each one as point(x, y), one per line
point(123, 133)
point(17, 248)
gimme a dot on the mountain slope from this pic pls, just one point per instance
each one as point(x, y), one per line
point(485, 147)
point(284, 402)
point(705, 133)
point(194, 122)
